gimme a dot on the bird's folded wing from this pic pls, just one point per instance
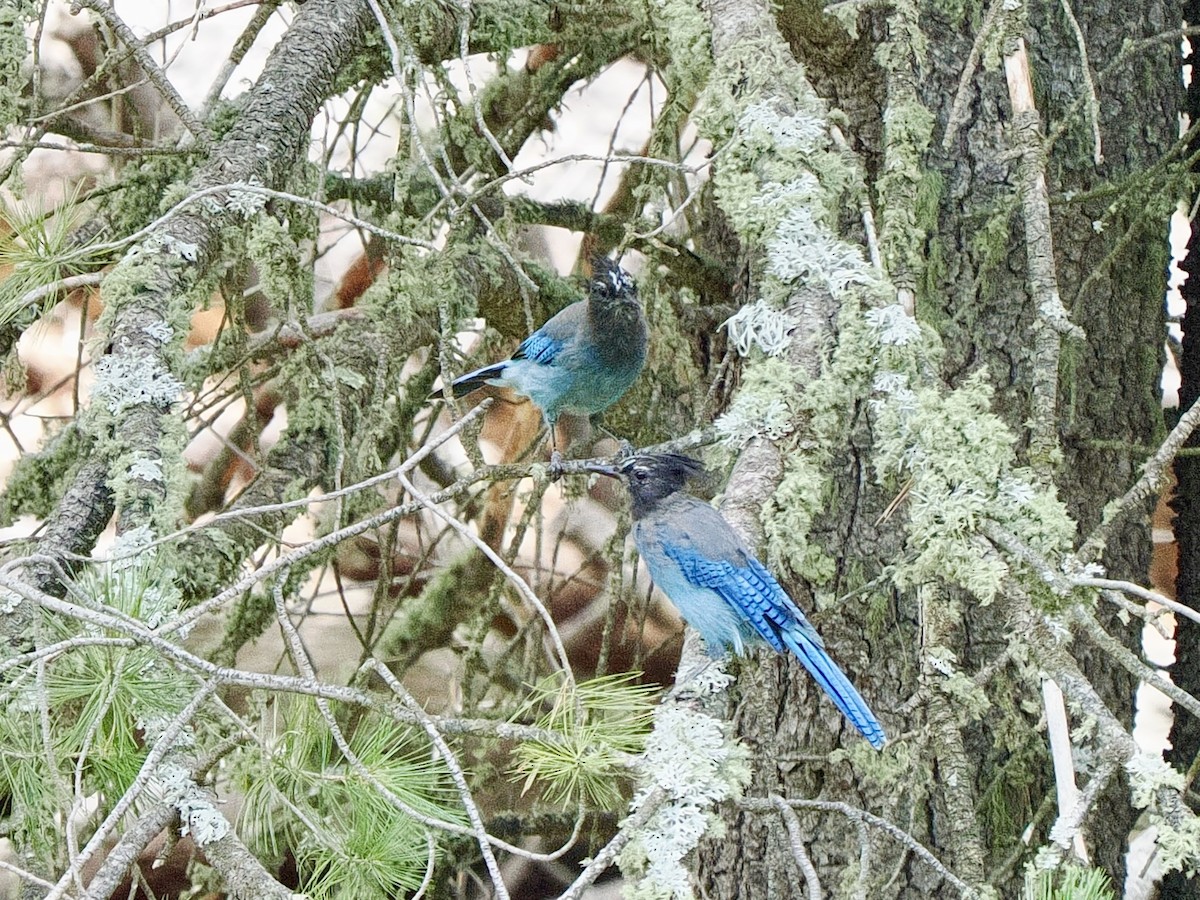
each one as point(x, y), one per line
point(739, 586)
point(539, 347)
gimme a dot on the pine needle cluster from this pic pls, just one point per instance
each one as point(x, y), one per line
point(602, 723)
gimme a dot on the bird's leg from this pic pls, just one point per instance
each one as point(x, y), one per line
point(557, 469)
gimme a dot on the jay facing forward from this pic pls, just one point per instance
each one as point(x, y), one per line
point(583, 359)
point(727, 595)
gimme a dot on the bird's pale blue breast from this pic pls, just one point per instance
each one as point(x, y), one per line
point(667, 541)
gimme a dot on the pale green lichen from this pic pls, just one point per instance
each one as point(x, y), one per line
point(284, 265)
point(39, 480)
point(1177, 834)
point(690, 757)
point(682, 28)
point(961, 460)
point(801, 497)
point(765, 405)
point(13, 51)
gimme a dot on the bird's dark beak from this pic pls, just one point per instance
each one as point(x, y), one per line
point(601, 469)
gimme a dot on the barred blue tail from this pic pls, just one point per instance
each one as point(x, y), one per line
point(835, 683)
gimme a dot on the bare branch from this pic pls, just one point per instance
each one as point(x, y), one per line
point(796, 840)
point(608, 854)
point(149, 66)
point(861, 815)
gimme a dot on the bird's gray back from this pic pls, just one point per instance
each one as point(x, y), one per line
point(686, 521)
point(565, 323)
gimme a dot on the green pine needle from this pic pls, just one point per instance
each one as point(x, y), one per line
point(1071, 883)
point(601, 722)
point(39, 250)
point(98, 701)
point(349, 840)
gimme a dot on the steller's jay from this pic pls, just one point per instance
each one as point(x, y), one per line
point(583, 359)
point(727, 595)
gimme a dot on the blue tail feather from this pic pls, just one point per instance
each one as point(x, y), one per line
point(835, 683)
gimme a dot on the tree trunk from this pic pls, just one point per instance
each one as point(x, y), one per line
point(1185, 730)
point(972, 285)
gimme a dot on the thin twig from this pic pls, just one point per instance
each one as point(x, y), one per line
point(966, 81)
point(104, 619)
point(508, 571)
point(456, 773)
point(305, 666)
point(30, 877)
point(1093, 103)
point(605, 858)
point(40, 293)
point(237, 53)
point(1111, 585)
point(799, 854)
point(149, 66)
point(1140, 670)
point(464, 57)
point(148, 771)
point(329, 540)
point(244, 187)
point(1154, 476)
point(861, 815)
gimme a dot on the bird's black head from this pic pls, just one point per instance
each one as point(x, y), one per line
point(652, 477)
point(611, 284)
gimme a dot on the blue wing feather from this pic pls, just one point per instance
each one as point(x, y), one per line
point(745, 584)
point(539, 347)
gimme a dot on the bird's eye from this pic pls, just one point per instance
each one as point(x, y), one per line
point(640, 474)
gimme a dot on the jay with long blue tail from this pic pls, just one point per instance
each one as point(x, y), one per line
point(583, 359)
point(727, 595)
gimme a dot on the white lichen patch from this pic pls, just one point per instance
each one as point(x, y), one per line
point(805, 131)
point(761, 407)
point(690, 757)
point(803, 248)
point(147, 469)
point(760, 325)
point(893, 326)
point(246, 203)
point(124, 382)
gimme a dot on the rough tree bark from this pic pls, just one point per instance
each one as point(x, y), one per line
point(1185, 730)
point(971, 284)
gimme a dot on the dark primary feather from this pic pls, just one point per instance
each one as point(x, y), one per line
point(473, 381)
